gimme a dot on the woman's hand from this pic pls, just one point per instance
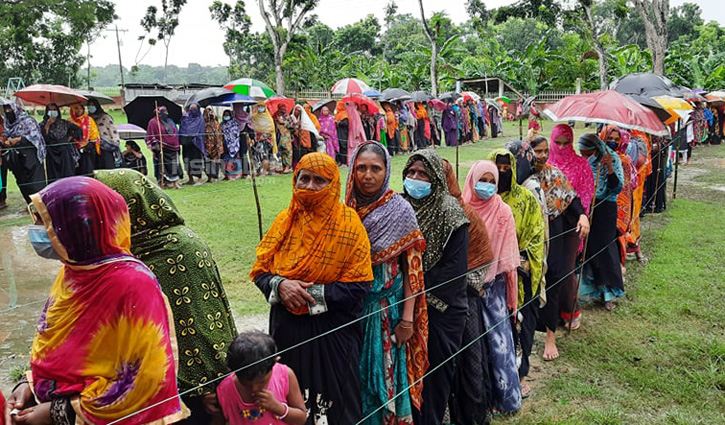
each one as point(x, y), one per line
point(36, 415)
point(21, 398)
point(582, 226)
point(403, 332)
point(293, 294)
point(607, 161)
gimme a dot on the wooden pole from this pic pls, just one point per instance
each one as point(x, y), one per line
point(457, 143)
point(161, 142)
point(253, 172)
point(677, 165)
point(586, 244)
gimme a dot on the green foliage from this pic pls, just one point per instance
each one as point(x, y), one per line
point(40, 40)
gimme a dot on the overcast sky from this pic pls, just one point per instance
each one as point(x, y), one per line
point(198, 39)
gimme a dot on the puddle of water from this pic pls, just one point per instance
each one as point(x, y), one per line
point(25, 280)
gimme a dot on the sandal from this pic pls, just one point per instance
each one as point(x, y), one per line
point(525, 391)
point(610, 306)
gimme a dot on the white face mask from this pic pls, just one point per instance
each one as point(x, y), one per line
point(53, 114)
point(91, 109)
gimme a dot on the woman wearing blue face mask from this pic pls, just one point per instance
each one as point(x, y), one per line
point(62, 154)
point(500, 292)
point(110, 156)
point(445, 263)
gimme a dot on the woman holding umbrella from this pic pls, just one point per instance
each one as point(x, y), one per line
point(162, 138)
point(191, 136)
point(23, 150)
point(110, 144)
point(59, 136)
point(88, 144)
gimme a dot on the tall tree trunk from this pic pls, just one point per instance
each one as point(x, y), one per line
point(279, 73)
point(654, 14)
point(166, 64)
point(434, 69)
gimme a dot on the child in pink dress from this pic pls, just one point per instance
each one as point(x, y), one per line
point(261, 391)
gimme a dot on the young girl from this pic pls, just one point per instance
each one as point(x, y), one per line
point(262, 392)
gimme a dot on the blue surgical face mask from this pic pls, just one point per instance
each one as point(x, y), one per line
point(91, 109)
point(612, 145)
point(41, 242)
point(485, 190)
point(53, 114)
point(227, 118)
point(417, 188)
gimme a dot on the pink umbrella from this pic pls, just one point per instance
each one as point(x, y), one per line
point(437, 104)
point(44, 94)
point(274, 102)
point(607, 107)
point(361, 99)
point(349, 86)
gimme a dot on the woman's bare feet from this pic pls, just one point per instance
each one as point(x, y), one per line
point(550, 350)
point(610, 306)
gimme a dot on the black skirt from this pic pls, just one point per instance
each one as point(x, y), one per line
point(87, 161)
point(603, 254)
point(23, 161)
point(59, 162)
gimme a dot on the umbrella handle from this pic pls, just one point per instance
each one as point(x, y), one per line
point(161, 141)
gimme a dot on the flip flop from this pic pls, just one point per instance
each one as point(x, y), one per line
point(527, 394)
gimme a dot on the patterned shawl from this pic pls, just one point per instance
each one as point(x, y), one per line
point(479, 247)
point(231, 130)
point(214, 137)
point(500, 227)
point(305, 240)
point(160, 130)
point(26, 126)
point(104, 335)
point(192, 125)
point(328, 130)
point(530, 224)
point(187, 273)
point(393, 231)
point(575, 167)
point(439, 214)
point(592, 141)
point(106, 126)
point(89, 127)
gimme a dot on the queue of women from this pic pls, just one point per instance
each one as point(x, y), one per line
point(387, 308)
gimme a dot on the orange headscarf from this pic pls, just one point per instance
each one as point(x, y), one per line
point(89, 127)
point(341, 112)
point(420, 112)
point(317, 238)
point(390, 120)
point(312, 116)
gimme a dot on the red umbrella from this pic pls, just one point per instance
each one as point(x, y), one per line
point(274, 102)
point(44, 94)
point(607, 107)
point(360, 100)
point(349, 86)
point(437, 104)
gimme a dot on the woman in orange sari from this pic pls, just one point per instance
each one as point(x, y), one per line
point(644, 169)
point(89, 146)
point(314, 268)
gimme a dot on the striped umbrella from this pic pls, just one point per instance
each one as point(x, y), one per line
point(250, 87)
point(349, 86)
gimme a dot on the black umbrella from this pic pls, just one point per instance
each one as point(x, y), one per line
point(330, 103)
point(100, 97)
point(526, 106)
point(449, 95)
point(143, 108)
point(647, 84)
point(420, 96)
point(208, 96)
point(393, 94)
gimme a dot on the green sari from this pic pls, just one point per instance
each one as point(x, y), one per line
point(188, 276)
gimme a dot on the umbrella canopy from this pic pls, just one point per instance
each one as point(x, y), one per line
point(373, 94)
point(143, 108)
point(719, 93)
point(360, 100)
point(607, 107)
point(528, 107)
point(449, 95)
point(503, 99)
point(471, 95)
point(693, 97)
point(274, 102)
point(250, 87)
point(349, 86)
point(437, 104)
point(647, 84)
point(229, 99)
point(393, 94)
point(330, 103)
point(100, 97)
point(492, 102)
point(420, 96)
point(670, 102)
point(44, 94)
point(208, 96)
point(130, 131)
point(665, 115)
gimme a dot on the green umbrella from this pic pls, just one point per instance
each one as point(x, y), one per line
point(250, 87)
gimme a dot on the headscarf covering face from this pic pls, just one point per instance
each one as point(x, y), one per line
point(193, 125)
point(500, 227)
point(104, 334)
point(479, 248)
point(439, 214)
point(159, 235)
point(25, 126)
point(590, 141)
point(630, 172)
point(313, 117)
point(305, 240)
point(262, 122)
point(241, 116)
point(575, 167)
point(303, 121)
point(530, 224)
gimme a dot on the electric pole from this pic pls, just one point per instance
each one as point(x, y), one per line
point(120, 64)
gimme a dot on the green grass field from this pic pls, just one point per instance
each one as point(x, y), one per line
point(658, 359)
